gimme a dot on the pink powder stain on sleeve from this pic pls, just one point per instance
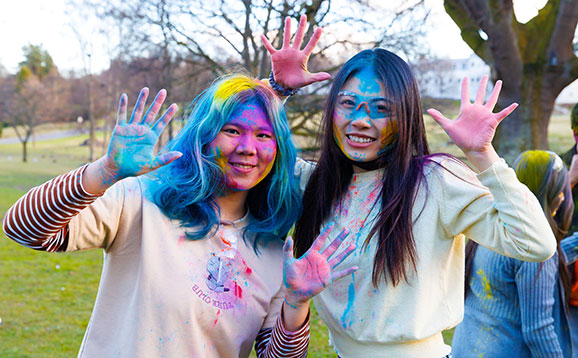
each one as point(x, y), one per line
point(182, 239)
point(217, 319)
point(248, 270)
point(238, 290)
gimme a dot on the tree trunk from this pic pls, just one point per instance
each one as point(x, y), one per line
point(24, 151)
point(535, 60)
point(527, 127)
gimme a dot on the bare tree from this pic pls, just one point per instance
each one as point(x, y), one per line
point(224, 36)
point(33, 95)
point(536, 60)
point(25, 105)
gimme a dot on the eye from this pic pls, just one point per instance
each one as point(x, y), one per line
point(265, 135)
point(230, 130)
point(347, 102)
point(383, 108)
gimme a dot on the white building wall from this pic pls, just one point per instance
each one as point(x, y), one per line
point(442, 79)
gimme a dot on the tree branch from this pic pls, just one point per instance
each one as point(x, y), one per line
point(469, 28)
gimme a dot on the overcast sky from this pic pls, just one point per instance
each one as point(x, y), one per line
point(47, 23)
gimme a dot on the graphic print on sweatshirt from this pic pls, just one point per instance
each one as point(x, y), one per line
point(225, 277)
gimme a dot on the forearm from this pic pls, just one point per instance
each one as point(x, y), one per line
point(515, 224)
point(295, 316)
point(39, 219)
point(280, 341)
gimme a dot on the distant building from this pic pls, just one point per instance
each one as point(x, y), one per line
point(442, 78)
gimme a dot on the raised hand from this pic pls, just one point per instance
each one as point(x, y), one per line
point(309, 275)
point(290, 62)
point(131, 148)
point(475, 126)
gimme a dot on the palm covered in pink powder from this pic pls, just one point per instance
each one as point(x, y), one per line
point(475, 126)
point(307, 276)
point(290, 62)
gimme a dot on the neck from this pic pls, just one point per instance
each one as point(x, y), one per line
point(232, 205)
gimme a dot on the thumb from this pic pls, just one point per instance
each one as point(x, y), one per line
point(316, 77)
point(165, 159)
point(506, 112)
point(288, 249)
point(439, 117)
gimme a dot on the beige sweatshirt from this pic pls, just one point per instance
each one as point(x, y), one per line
point(492, 208)
point(166, 295)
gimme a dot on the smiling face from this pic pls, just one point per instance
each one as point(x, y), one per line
point(245, 147)
point(362, 122)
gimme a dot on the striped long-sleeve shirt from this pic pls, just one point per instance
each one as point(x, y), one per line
point(61, 216)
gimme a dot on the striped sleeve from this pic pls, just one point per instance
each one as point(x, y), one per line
point(569, 246)
point(277, 342)
point(536, 289)
point(39, 219)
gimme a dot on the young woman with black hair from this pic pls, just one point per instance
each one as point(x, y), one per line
point(408, 210)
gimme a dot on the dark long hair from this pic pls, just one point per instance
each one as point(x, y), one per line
point(396, 251)
point(546, 176)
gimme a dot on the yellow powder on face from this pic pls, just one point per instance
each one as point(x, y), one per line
point(267, 170)
point(388, 132)
point(338, 138)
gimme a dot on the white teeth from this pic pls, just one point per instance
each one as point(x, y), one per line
point(242, 166)
point(359, 139)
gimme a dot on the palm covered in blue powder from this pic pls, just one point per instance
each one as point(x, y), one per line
point(131, 148)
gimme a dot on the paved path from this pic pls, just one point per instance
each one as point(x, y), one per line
point(45, 136)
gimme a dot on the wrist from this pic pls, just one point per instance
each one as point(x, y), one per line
point(99, 176)
point(281, 91)
point(296, 304)
point(482, 160)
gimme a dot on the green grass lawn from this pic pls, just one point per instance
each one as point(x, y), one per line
point(46, 299)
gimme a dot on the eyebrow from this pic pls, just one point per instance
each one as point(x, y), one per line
point(240, 123)
point(370, 99)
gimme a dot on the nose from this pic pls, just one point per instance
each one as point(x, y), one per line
point(246, 146)
point(361, 119)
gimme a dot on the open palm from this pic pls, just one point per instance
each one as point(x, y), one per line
point(131, 148)
point(475, 126)
point(307, 276)
point(290, 62)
